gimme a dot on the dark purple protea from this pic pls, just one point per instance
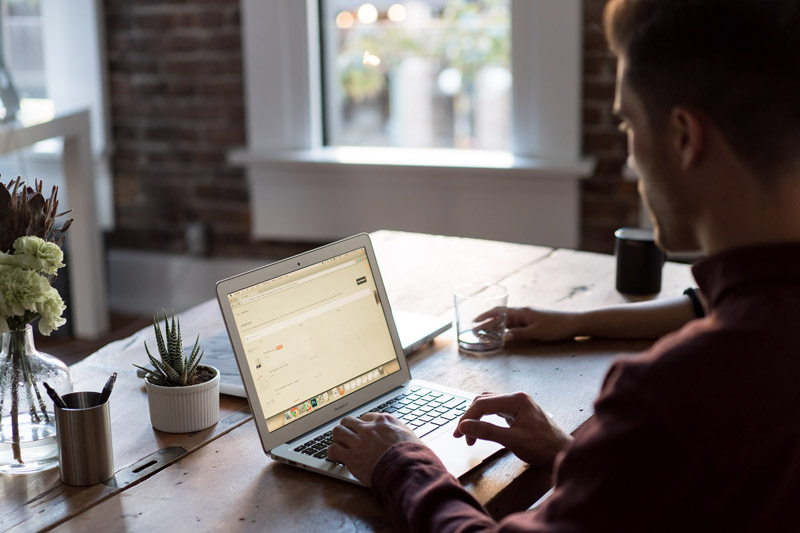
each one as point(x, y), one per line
point(24, 211)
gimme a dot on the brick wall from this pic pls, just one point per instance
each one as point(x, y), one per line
point(607, 201)
point(177, 108)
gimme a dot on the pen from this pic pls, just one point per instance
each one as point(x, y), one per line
point(54, 396)
point(107, 389)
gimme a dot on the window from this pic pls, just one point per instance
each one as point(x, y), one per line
point(52, 54)
point(414, 73)
point(23, 57)
point(305, 187)
point(285, 90)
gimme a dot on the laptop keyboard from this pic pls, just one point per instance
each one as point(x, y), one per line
point(423, 410)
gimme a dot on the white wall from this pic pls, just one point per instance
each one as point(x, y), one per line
point(324, 201)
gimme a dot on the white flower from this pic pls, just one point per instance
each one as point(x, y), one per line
point(51, 310)
point(39, 254)
point(25, 292)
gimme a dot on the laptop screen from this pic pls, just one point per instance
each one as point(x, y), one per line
point(313, 336)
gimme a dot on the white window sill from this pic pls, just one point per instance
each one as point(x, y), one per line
point(329, 193)
point(434, 159)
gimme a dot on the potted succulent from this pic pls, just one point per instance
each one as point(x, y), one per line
point(183, 395)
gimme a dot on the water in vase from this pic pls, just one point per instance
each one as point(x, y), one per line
point(37, 447)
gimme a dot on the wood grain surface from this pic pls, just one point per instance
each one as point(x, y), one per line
point(220, 478)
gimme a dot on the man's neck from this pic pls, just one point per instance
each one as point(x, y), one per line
point(748, 214)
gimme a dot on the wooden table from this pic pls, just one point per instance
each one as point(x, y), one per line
point(220, 478)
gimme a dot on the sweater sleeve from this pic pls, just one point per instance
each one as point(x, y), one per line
point(420, 495)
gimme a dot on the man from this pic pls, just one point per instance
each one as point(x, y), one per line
point(702, 431)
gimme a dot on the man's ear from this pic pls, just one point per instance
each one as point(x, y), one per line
point(688, 136)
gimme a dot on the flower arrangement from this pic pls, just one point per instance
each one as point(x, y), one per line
point(25, 291)
point(30, 255)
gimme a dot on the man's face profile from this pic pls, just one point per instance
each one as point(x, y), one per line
point(649, 158)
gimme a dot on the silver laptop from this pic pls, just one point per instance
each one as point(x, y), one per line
point(315, 341)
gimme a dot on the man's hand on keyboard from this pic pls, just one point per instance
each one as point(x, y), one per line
point(358, 443)
point(532, 435)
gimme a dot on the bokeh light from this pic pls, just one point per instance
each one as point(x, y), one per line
point(345, 20)
point(367, 14)
point(396, 13)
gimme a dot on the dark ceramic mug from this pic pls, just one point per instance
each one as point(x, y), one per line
point(639, 261)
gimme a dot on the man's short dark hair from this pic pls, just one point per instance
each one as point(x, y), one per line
point(736, 61)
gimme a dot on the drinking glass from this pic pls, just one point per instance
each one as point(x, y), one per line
point(481, 310)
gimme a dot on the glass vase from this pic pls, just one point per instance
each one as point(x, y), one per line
point(28, 430)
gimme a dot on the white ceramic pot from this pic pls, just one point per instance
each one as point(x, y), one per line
point(184, 409)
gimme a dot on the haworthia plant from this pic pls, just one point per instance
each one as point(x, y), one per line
point(174, 369)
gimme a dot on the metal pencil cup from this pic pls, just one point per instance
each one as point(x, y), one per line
point(85, 454)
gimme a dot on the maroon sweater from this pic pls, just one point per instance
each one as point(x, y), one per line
point(699, 433)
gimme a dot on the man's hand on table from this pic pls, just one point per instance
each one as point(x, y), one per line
point(531, 324)
point(358, 443)
point(532, 435)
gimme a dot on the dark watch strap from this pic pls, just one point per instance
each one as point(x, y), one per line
point(697, 305)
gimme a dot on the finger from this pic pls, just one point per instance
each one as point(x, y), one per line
point(351, 423)
point(339, 453)
point(476, 429)
point(470, 414)
point(344, 436)
point(492, 323)
point(491, 313)
point(505, 405)
point(491, 404)
point(457, 434)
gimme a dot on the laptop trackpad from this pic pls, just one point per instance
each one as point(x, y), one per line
point(459, 458)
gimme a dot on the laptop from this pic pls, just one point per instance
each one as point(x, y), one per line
point(315, 341)
point(415, 330)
